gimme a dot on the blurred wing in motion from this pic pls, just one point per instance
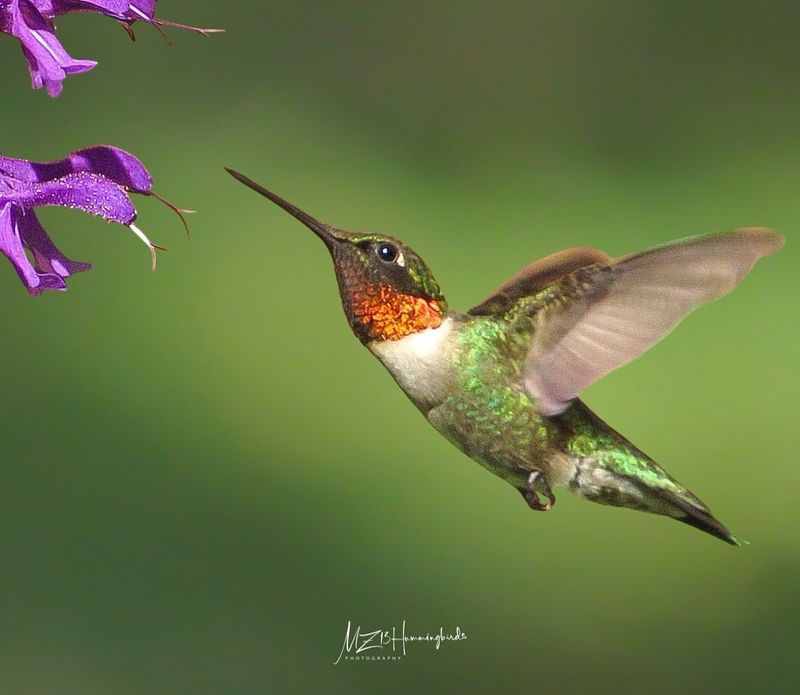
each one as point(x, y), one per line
point(608, 315)
point(537, 276)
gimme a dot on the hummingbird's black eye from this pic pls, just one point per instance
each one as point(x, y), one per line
point(387, 252)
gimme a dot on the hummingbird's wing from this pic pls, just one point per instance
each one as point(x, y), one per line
point(537, 276)
point(604, 316)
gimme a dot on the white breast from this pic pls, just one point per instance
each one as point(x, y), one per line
point(419, 362)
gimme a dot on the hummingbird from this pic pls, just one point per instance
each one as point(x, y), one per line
point(501, 381)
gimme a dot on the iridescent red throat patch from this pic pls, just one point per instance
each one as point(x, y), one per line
point(392, 315)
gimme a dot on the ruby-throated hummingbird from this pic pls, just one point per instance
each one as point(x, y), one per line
point(501, 381)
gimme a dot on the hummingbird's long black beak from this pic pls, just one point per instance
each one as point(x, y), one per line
point(322, 230)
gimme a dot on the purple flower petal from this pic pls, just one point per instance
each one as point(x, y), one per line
point(112, 162)
point(121, 10)
point(46, 257)
point(48, 62)
point(11, 247)
point(85, 191)
point(53, 8)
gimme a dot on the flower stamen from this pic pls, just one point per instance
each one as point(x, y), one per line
point(150, 245)
point(180, 212)
point(164, 34)
point(177, 25)
point(128, 30)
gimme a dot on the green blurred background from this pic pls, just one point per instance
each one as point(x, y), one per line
point(205, 476)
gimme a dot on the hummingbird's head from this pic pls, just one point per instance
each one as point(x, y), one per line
point(387, 290)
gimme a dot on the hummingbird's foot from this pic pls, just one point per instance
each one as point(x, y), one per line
point(538, 485)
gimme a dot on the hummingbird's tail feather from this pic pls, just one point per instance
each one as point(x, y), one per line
point(648, 489)
point(686, 510)
point(613, 471)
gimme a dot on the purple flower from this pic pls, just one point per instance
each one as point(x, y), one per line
point(97, 180)
point(53, 8)
point(31, 23)
point(48, 62)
